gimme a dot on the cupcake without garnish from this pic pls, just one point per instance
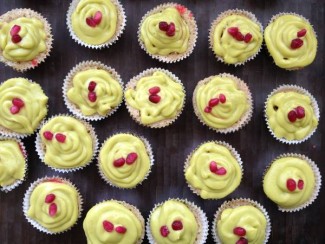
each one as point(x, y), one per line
point(25, 39)
point(114, 222)
point(23, 107)
point(291, 41)
point(223, 102)
point(96, 24)
point(92, 90)
point(168, 32)
point(236, 36)
point(291, 113)
point(155, 98)
point(125, 160)
point(292, 181)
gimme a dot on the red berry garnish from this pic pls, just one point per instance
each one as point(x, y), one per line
point(164, 231)
point(15, 30)
point(16, 38)
point(239, 36)
point(34, 62)
point(301, 33)
point(120, 229)
point(108, 226)
point(296, 43)
point(239, 231)
point(300, 111)
point(181, 9)
point(300, 184)
point(222, 98)
point(154, 90)
point(48, 135)
point(233, 31)
point(292, 116)
point(163, 26)
point(119, 162)
point(53, 209)
point(213, 102)
point(171, 29)
point(49, 198)
point(208, 109)
point(242, 240)
point(91, 22)
point(14, 109)
point(291, 184)
point(92, 86)
point(60, 137)
point(97, 17)
point(213, 166)
point(92, 97)
point(130, 159)
point(177, 225)
point(248, 37)
point(154, 98)
point(18, 102)
point(221, 171)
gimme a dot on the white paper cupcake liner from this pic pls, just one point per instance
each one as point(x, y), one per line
point(190, 20)
point(121, 23)
point(224, 14)
point(299, 90)
point(199, 214)
point(236, 203)
point(40, 147)
point(234, 153)
point(318, 180)
point(150, 154)
point(85, 65)
point(26, 203)
point(135, 113)
point(25, 12)
point(246, 117)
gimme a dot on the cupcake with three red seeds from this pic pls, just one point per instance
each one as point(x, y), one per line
point(25, 39)
point(96, 23)
point(292, 114)
point(223, 102)
point(168, 32)
point(236, 36)
point(52, 205)
point(23, 106)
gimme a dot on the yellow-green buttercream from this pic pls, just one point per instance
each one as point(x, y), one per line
point(118, 215)
point(247, 217)
point(208, 184)
point(227, 47)
point(279, 35)
point(277, 108)
point(66, 200)
point(102, 32)
point(171, 93)
point(119, 146)
point(156, 41)
point(108, 92)
point(35, 105)
point(275, 182)
point(12, 163)
point(165, 215)
point(224, 115)
point(33, 40)
point(76, 151)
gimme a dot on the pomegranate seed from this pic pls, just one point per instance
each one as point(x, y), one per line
point(171, 29)
point(300, 111)
point(108, 226)
point(301, 33)
point(208, 109)
point(119, 162)
point(181, 9)
point(15, 30)
point(18, 102)
point(154, 90)
point(177, 225)
point(34, 62)
point(49, 198)
point(53, 209)
point(154, 98)
point(91, 22)
point(60, 137)
point(221, 171)
point(48, 135)
point(14, 110)
point(239, 231)
point(239, 36)
point(222, 98)
point(300, 184)
point(242, 240)
point(163, 26)
point(233, 31)
point(16, 38)
point(120, 229)
point(97, 17)
point(248, 37)
point(296, 43)
point(92, 97)
point(130, 159)
point(213, 166)
point(164, 231)
point(92, 86)
point(291, 185)
point(213, 102)
point(292, 116)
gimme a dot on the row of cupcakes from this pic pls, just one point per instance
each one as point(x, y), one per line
point(167, 33)
point(53, 205)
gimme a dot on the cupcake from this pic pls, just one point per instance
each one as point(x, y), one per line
point(292, 181)
point(114, 222)
point(125, 160)
point(168, 32)
point(223, 102)
point(236, 36)
point(66, 144)
point(52, 205)
point(92, 90)
point(291, 113)
point(177, 221)
point(23, 107)
point(96, 24)
point(155, 98)
point(291, 41)
point(241, 221)
point(25, 39)
point(13, 163)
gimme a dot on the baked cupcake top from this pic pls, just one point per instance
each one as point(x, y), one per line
point(124, 160)
point(66, 142)
point(156, 97)
point(173, 222)
point(213, 170)
point(54, 205)
point(23, 105)
point(12, 162)
point(113, 222)
point(291, 41)
point(290, 115)
point(236, 36)
point(289, 182)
